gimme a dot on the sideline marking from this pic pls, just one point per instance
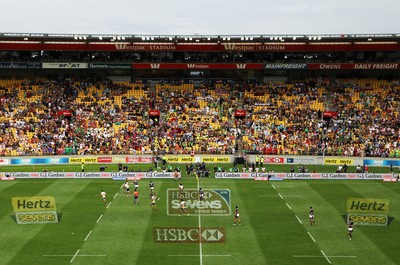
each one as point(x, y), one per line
point(299, 219)
point(116, 194)
point(72, 260)
point(199, 255)
point(311, 237)
point(323, 253)
point(98, 220)
point(280, 196)
point(86, 238)
point(200, 245)
point(310, 256)
point(288, 206)
point(108, 205)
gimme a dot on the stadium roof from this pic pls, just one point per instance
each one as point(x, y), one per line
point(197, 39)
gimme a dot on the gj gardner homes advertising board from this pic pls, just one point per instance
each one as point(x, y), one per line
point(216, 202)
point(366, 211)
point(35, 210)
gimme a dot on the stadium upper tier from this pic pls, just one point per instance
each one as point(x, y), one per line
point(45, 117)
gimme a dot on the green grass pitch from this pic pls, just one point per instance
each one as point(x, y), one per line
point(275, 226)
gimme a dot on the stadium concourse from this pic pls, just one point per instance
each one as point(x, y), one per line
point(47, 117)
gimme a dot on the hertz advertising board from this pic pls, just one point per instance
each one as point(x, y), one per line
point(35, 210)
point(180, 159)
point(366, 211)
point(215, 159)
point(338, 161)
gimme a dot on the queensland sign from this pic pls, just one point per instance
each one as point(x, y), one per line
point(215, 202)
point(366, 211)
point(35, 210)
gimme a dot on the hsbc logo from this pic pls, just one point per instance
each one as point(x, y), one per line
point(274, 160)
point(241, 66)
point(155, 65)
point(229, 46)
point(189, 235)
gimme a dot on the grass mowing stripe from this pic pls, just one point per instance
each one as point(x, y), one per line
point(39, 238)
point(331, 212)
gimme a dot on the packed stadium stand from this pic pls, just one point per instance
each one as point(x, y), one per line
point(64, 94)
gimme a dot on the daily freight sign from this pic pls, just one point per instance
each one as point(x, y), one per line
point(35, 210)
point(366, 211)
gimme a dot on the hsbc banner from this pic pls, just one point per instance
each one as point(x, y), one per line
point(64, 65)
point(274, 160)
point(4, 161)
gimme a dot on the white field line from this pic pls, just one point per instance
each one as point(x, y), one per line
point(310, 256)
point(311, 237)
point(326, 257)
point(299, 219)
point(200, 245)
point(199, 255)
point(273, 186)
point(280, 196)
point(288, 206)
point(86, 238)
point(116, 194)
point(108, 205)
point(76, 253)
point(98, 220)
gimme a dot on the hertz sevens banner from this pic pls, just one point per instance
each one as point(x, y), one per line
point(35, 210)
point(216, 202)
point(366, 211)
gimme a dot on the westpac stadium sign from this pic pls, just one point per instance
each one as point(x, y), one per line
point(366, 211)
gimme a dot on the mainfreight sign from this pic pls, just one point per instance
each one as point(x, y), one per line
point(189, 235)
point(216, 202)
point(367, 211)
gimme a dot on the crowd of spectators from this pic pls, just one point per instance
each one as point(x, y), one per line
point(43, 117)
